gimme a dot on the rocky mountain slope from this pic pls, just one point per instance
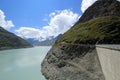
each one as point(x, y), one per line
point(9, 40)
point(101, 8)
point(74, 56)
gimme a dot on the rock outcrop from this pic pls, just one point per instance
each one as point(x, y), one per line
point(72, 62)
point(73, 56)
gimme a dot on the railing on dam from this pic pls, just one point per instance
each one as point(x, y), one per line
point(112, 46)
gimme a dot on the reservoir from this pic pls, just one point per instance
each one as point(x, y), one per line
point(22, 64)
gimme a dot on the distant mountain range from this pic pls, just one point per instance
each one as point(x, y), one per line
point(48, 42)
point(9, 40)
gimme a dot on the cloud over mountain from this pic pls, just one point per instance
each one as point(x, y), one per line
point(6, 24)
point(86, 3)
point(60, 22)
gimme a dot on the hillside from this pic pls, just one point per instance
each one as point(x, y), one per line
point(74, 55)
point(102, 30)
point(9, 40)
point(100, 24)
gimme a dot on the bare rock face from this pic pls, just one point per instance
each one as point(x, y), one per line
point(73, 62)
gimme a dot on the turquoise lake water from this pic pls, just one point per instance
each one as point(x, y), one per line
point(22, 64)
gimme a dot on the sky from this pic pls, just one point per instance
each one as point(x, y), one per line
point(41, 19)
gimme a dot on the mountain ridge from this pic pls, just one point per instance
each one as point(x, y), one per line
point(101, 8)
point(9, 40)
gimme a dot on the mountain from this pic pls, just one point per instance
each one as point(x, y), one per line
point(48, 42)
point(101, 8)
point(102, 30)
point(74, 55)
point(32, 41)
point(9, 40)
point(99, 24)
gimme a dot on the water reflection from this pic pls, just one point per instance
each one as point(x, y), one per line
point(28, 60)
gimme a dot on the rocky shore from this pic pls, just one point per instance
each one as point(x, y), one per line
point(72, 62)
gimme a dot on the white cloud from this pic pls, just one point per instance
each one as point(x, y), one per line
point(29, 32)
point(86, 3)
point(52, 14)
point(6, 24)
point(60, 22)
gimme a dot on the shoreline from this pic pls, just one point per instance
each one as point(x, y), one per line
point(10, 48)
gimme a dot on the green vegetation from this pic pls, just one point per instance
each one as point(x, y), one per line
point(101, 30)
point(9, 40)
point(99, 24)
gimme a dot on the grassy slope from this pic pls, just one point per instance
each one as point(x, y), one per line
point(8, 39)
point(99, 30)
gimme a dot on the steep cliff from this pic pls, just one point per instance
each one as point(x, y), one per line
point(73, 56)
point(9, 40)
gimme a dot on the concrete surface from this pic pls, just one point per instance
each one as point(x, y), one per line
point(109, 56)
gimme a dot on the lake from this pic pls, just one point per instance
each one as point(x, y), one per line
point(22, 64)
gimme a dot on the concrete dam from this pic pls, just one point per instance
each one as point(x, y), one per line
point(109, 57)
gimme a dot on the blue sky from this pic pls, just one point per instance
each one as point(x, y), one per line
point(40, 19)
point(32, 12)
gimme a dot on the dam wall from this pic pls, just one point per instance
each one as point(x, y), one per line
point(109, 57)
